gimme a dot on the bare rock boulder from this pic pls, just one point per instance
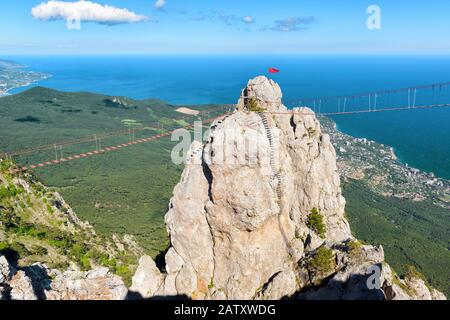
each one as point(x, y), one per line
point(147, 279)
point(22, 287)
point(97, 284)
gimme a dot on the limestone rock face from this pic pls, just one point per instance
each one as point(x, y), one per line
point(22, 287)
point(36, 282)
point(265, 91)
point(147, 279)
point(5, 270)
point(282, 285)
point(6, 273)
point(260, 175)
point(437, 295)
point(350, 280)
point(356, 278)
point(238, 219)
point(97, 284)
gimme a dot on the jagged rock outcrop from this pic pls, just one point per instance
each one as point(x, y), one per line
point(6, 273)
point(22, 287)
point(235, 230)
point(36, 282)
point(96, 284)
point(259, 214)
point(147, 279)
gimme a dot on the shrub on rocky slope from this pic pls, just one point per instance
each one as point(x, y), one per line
point(40, 232)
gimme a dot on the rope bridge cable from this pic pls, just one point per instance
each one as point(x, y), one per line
point(345, 106)
point(167, 133)
point(92, 138)
point(380, 92)
point(111, 148)
point(385, 100)
point(312, 113)
point(290, 113)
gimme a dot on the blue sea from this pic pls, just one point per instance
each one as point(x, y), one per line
point(420, 138)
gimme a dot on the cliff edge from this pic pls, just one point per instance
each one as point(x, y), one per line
point(259, 214)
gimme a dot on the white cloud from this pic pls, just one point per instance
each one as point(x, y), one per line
point(293, 24)
point(160, 3)
point(234, 20)
point(248, 19)
point(85, 11)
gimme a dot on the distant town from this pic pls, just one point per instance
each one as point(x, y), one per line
point(13, 75)
point(378, 166)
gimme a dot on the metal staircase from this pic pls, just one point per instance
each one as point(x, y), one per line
point(273, 166)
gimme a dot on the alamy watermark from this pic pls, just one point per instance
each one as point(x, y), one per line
point(374, 19)
point(374, 280)
point(230, 146)
point(74, 22)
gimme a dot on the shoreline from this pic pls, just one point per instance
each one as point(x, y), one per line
point(394, 152)
point(18, 75)
point(380, 168)
point(7, 92)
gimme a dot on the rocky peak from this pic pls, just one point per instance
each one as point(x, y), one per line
point(265, 91)
point(259, 214)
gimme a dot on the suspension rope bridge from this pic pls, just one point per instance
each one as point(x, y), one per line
point(111, 148)
point(306, 113)
point(409, 90)
point(410, 98)
point(97, 138)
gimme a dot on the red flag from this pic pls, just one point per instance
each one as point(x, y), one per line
point(273, 70)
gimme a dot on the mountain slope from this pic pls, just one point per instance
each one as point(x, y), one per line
point(111, 191)
point(412, 233)
point(37, 226)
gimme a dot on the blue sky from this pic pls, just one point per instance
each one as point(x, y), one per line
point(229, 27)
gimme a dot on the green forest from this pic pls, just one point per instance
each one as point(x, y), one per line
point(123, 192)
point(128, 191)
point(412, 233)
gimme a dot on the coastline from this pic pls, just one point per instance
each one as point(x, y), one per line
point(15, 75)
point(7, 91)
point(395, 153)
point(378, 166)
